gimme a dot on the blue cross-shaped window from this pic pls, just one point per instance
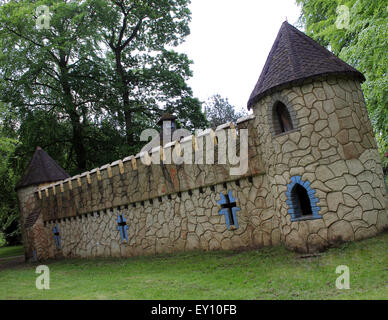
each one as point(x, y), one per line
point(229, 209)
point(122, 227)
point(57, 237)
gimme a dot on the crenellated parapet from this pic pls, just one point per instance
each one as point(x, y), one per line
point(136, 179)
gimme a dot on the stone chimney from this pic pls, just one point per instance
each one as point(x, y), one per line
point(167, 125)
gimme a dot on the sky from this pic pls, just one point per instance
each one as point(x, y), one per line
point(229, 44)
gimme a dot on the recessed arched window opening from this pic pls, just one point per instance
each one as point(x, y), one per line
point(301, 201)
point(282, 118)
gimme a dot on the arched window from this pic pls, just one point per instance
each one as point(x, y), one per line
point(282, 119)
point(301, 201)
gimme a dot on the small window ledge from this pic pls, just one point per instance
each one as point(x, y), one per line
point(304, 218)
point(285, 133)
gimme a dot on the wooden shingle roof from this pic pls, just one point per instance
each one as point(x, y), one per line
point(295, 57)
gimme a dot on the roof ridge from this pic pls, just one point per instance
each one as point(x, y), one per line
point(293, 57)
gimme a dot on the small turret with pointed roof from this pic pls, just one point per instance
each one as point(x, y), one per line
point(295, 57)
point(167, 117)
point(42, 169)
point(167, 125)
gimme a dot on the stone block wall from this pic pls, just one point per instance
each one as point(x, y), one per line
point(167, 207)
point(32, 225)
point(131, 181)
point(185, 221)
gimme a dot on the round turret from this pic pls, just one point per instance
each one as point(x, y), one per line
point(318, 146)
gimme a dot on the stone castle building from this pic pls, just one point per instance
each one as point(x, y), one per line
point(314, 176)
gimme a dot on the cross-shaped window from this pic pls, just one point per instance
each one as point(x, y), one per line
point(229, 209)
point(57, 237)
point(122, 227)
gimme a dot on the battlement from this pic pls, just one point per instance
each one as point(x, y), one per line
point(136, 179)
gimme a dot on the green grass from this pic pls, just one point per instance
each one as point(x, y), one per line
point(6, 252)
point(269, 273)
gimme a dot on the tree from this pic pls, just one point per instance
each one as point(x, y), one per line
point(362, 42)
point(48, 75)
point(9, 216)
point(218, 111)
point(87, 83)
point(85, 87)
point(146, 75)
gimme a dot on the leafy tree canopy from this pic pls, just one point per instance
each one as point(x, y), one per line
point(218, 111)
point(86, 86)
point(82, 79)
point(9, 216)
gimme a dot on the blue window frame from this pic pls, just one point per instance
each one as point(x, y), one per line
point(301, 200)
point(122, 227)
point(229, 209)
point(57, 237)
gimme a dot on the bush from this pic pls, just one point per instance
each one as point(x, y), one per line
point(10, 228)
point(2, 240)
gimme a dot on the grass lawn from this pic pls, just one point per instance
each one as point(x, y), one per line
point(269, 273)
point(6, 252)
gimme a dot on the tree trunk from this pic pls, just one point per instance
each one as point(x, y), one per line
point(78, 139)
point(128, 125)
point(125, 96)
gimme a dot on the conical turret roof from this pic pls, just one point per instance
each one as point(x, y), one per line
point(42, 169)
point(295, 57)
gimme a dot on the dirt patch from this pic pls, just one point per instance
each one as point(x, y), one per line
point(12, 263)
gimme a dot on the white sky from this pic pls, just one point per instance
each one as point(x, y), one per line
point(229, 44)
